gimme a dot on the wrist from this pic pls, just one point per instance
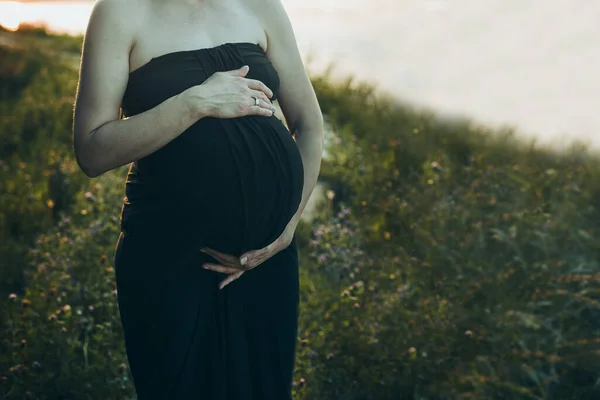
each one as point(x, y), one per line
point(195, 102)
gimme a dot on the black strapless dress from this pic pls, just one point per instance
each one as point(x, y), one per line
point(229, 184)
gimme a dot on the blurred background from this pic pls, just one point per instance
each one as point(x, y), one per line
point(450, 251)
point(531, 63)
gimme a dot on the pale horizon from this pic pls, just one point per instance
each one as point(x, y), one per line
point(531, 64)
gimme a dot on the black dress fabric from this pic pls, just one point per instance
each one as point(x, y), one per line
point(229, 184)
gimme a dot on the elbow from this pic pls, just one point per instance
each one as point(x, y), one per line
point(311, 124)
point(86, 162)
point(91, 173)
point(84, 155)
point(87, 167)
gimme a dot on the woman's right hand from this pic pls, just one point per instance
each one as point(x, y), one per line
point(229, 94)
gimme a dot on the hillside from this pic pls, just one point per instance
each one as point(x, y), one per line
point(450, 261)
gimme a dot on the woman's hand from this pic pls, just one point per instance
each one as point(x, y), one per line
point(236, 267)
point(228, 94)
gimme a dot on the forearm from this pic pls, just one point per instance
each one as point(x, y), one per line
point(310, 143)
point(120, 142)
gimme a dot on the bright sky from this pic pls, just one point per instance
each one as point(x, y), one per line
point(532, 63)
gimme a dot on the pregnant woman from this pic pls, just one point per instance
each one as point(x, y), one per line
point(207, 262)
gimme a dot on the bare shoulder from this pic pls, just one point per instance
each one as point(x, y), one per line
point(271, 14)
point(296, 94)
point(117, 17)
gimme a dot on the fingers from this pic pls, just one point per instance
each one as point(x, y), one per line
point(221, 268)
point(242, 71)
point(223, 258)
point(257, 257)
point(262, 96)
point(258, 85)
point(262, 108)
point(228, 263)
point(230, 279)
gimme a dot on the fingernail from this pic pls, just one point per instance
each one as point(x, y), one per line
point(243, 260)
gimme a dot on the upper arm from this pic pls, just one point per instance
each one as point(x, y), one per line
point(104, 69)
point(296, 95)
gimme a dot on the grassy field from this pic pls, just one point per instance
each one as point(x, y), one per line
point(450, 260)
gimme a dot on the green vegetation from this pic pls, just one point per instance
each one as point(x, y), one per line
point(450, 261)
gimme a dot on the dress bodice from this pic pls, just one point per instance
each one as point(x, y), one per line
point(171, 73)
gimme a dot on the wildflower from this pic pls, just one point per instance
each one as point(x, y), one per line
point(25, 302)
point(330, 194)
point(469, 333)
point(63, 329)
point(412, 350)
point(12, 297)
point(122, 368)
point(17, 368)
point(66, 308)
point(356, 305)
point(36, 365)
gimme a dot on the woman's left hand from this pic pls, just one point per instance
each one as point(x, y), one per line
point(236, 267)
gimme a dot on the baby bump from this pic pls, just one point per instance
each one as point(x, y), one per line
point(235, 183)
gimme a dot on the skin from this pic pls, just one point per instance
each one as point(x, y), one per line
point(116, 44)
